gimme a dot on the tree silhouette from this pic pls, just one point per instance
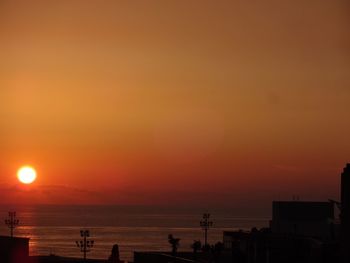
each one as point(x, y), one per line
point(196, 245)
point(174, 242)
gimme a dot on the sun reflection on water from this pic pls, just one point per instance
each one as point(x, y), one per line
point(29, 232)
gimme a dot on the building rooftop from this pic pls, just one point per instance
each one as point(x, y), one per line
point(301, 210)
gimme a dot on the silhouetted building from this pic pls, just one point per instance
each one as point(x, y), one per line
point(299, 232)
point(311, 219)
point(345, 214)
point(263, 246)
point(235, 238)
point(14, 249)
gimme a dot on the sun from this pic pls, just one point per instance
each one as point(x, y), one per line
point(26, 174)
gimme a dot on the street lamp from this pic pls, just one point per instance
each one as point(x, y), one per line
point(12, 222)
point(206, 224)
point(85, 245)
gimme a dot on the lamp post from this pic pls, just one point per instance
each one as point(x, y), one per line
point(206, 224)
point(85, 245)
point(12, 222)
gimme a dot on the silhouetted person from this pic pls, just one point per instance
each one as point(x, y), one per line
point(174, 242)
point(114, 257)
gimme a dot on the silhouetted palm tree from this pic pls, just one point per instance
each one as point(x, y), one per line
point(174, 242)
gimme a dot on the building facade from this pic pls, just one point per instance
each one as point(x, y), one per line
point(311, 219)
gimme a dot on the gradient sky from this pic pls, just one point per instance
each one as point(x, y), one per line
point(185, 102)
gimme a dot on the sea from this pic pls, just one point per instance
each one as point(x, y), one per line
point(55, 229)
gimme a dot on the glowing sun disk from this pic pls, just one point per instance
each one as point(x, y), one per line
point(26, 175)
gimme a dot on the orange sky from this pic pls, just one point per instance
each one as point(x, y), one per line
point(174, 101)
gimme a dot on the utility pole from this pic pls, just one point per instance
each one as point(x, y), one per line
point(206, 224)
point(85, 245)
point(12, 222)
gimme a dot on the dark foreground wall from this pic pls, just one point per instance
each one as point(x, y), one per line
point(14, 249)
point(57, 259)
point(158, 257)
